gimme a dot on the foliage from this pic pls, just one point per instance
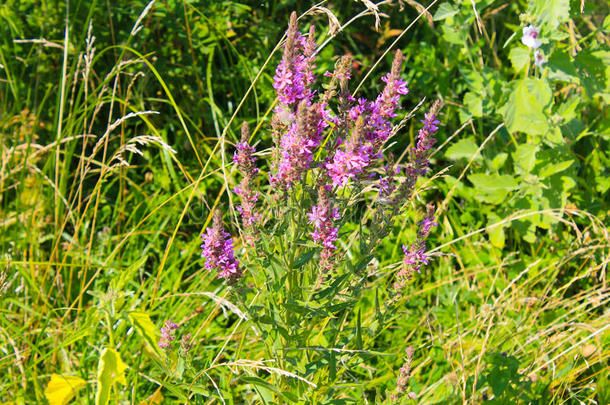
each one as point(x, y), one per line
point(115, 151)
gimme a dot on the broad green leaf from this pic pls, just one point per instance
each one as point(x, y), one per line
point(492, 182)
point(463, 149)
point(145, 327)
point(474, 103)
point(110, 370)
point(549, 14)
point(519, 57)
point(553, 168)
point(525, 158)
point(499, 160)
point(561, 67)
point(445, 10)
point(594, 72)
point(62, 388)
point(492, 188)
point(526, 109)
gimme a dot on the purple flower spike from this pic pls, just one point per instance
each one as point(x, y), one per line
point(167, 334)
point(323, 216)
point(217, 248)
point(347, 164)
point(293, 75)
point(246, 162)
point(415, 255)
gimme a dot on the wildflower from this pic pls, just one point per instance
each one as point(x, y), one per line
point(387, 184)
point(415, 255)
point(420, 157)
point(530, 37)
point(167, 334)
point(347, 164)
point(404, 375)
point(322, 216)
point(217, 248)
point(388, 101)
point(294, 73)
point(298, 144)
point(539, 58)
point(185, 344)
point(246, 162)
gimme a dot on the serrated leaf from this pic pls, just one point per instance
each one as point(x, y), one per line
point(526, 109)
point(550, 13)
point(62, 388)
point(110, 370)
point(463, 149)
point(525, 158)
point(519, 58)
point(492, 182)
point(474, 103)
point(553, 168)
point(492, 188)
point(445, 10)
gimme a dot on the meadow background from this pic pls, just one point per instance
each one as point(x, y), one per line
point(117, 126)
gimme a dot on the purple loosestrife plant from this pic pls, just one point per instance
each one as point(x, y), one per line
point(168, 332)
point(308, 242)
point(246, 163)
point(323, 217)
point(415, 255)
point(217, 248)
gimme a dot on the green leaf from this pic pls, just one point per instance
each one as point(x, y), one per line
point(526, 109)
point(492, 182)
point(110, 370)
point(145, 327)
point(561, 67)
point(553, 168)
point(525, 158)
point(62, 388)
point(519, 58)
point(463, 149)
point(549, 14)
point(445, 10)
point(303, 259)
point(499, 160)
point(474, 103)
point(492, 188)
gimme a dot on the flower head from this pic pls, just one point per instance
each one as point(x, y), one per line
point(539, 58)
point(246, 162)
point(323, 216)
point(167, 334)
point(217, 248)
point(530, 37)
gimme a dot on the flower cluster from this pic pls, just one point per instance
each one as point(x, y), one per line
point(298, 144)
point(352, 154)
point(246, 163)
point(403, 377)
point(420, 157)
point(347, 164)
point(168, 333)
point(372, 129)
point(322, 216)
point(530, 39)
point(415, 255)
point(217, 248)
point(294, 75)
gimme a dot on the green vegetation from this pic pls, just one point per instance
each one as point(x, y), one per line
point(117, 130)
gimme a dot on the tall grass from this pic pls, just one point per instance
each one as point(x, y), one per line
point(105, 188)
